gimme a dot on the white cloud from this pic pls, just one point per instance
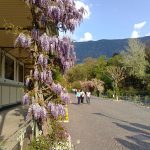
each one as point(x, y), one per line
point(137, 28)
point(80, 4)
point(87, 37)
point(148, 34)
point(135, 34)
point(140, 25)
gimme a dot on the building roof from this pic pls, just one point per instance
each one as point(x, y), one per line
point(17, 13)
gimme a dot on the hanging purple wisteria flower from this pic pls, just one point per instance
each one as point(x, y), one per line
point(36, 73)
point(44, 41)
point(44, 75)
point(62, 12)
point(23, 41)
point(40, 59)
point(61, 110)
point(57, 110)
point(45, 61)
point(35, 34)
point(49, 78)
point(56, 88)
point(65, 97)
point(25, 99)
point(55, 13)
point(39, 112)
point(53, 110)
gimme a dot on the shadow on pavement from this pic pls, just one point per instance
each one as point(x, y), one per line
point(135, 142)
point(141, 126)
point(75, 103)
point(145, 127)
point(139, 141)
point(18, 111)
point(104, 115)
point(130, 128)
point(130, 145)
point(3, 116)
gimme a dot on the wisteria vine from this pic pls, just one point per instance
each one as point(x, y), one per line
point(46, 98)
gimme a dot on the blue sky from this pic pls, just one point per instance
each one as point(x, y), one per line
point(114, 19)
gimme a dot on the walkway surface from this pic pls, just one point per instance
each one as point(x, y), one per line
point(102, 125)
point(10, 122)
point(109, 125)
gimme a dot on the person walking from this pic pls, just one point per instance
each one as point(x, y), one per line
point(78, 95)
point(75, 91)
point(82, 96)
point(88, 96)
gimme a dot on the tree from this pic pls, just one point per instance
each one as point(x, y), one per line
point(76, 73)
point(49, 54)
point(147, 56)
point(91, 85)
point(99, 85)
point(133, 58)
point(89, 66)
point(117, 74)
point(100, 67)
point(116, 60)
point(84, 71)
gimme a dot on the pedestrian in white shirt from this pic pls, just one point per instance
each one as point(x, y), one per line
point(82, 96)
point(88, 96)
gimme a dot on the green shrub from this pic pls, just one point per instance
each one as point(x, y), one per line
point(109, 93)
point(131, 91)
point(76, 85)
point(41, 143)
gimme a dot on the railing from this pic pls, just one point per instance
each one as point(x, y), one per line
point(145, 100)
point(16, 140)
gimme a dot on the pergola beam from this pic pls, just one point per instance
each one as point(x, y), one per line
point(24, 28)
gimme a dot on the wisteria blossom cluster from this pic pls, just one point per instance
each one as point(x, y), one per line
point(56, 110)
point(65, 97)
point(56, 88)
point(45, 75)
point(25, 99)
point(37, 111)
point(63, 48)
point(23, 41)
point(62, 12)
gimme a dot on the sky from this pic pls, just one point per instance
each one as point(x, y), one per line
point(113, 19)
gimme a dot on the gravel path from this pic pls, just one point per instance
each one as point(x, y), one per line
point(109, 125)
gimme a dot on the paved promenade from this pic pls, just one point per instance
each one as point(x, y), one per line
point(102, 125)
point(109, 125)
point(10, 122)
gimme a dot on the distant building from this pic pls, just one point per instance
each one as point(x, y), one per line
point(14, 62)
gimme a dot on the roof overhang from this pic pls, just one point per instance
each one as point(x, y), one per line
point(17, 13)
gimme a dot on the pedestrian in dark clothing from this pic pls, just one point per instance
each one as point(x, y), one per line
point(82, 96)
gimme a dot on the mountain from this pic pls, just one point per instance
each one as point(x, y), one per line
point(95, 49)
